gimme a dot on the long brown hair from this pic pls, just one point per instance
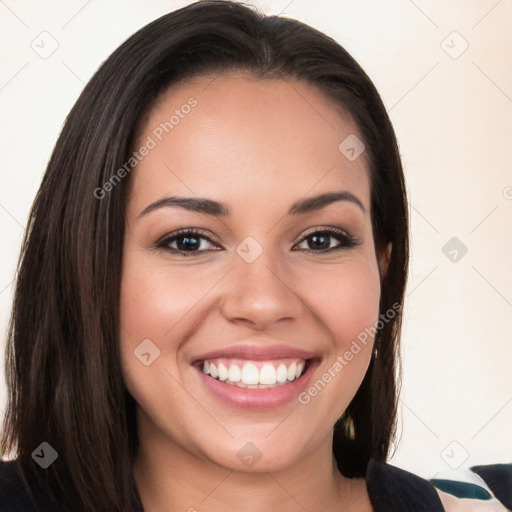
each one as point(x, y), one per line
point(65, 384)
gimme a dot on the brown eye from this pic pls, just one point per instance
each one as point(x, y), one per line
point(323, 240)
point(188, 242)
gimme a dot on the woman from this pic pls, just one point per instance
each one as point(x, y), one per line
point(208, 307)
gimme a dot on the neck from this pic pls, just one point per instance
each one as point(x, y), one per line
point(169, 477)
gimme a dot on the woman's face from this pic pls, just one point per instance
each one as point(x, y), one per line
point(273, 283)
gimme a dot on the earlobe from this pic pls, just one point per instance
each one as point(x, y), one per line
point(384, 259)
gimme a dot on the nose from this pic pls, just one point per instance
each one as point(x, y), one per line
point(260, 293)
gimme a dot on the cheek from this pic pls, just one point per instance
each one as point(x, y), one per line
point(161, 303)
point(346, 302)
point(345, 299)
point(154, 299)
point(348, 308)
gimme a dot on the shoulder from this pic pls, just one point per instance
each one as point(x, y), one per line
point(481, 488)
point(392, 489)
point(15, 493)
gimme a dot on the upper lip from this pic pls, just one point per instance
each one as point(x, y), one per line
point(257, 353)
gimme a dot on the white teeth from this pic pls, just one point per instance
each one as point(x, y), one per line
point(292, 370)
point(250, 374)
point(298, 372)
point(250, 377)
point(281, 373)
point(223, 372)
point(234, 373)
point(268, 374)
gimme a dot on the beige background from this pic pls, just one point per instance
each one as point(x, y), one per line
point(452, 110)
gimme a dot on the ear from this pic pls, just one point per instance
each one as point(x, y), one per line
point(384, 259)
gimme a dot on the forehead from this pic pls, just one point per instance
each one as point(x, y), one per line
point(247, 138)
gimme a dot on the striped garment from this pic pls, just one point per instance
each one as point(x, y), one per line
point(472, 489)
point(477, 489)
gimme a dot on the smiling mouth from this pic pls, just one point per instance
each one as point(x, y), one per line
point(254, 374)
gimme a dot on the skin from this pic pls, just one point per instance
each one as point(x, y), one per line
point(258, 146)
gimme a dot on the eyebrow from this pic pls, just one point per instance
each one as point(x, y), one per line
point(214, 208)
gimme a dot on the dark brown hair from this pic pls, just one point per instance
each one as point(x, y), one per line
point(63, 362)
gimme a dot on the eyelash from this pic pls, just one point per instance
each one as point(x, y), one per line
point(346, 240)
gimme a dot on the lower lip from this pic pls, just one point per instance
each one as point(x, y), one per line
point(244, 398)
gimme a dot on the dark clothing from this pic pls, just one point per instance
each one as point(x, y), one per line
point(390, 489)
